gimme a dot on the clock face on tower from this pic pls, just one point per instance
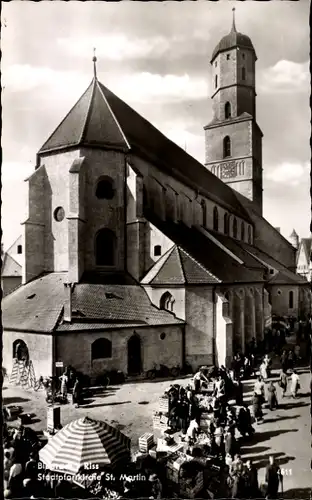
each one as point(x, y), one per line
point(228, 170)
point(59, 214)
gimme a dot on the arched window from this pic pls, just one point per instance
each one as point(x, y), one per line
point(20, 350)
point(243, 232)
point(204, 213)
point(105, 188)
point(215, 219)
point(105, 248)
point(166, 301)
point(19, 249)
point(226, 224)
point(226, 147)
point(291, 300)
point(157, 250)
point(243, 73)
point(235, 228)
point(227, 110)
point(101, 348)
point(216, 81)
point(249, 235)
point(213, 169)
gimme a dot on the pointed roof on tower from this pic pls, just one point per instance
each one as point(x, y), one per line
point(232, 40)
point(91, 122)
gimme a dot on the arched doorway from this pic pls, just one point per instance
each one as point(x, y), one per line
point(134, 355)
point(20, 350)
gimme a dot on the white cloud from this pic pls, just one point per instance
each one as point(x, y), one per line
point(12, 171)
point(288, 173)
point(285, 76)
point(193, 144)
point(116, 47)
point(149, 87)
point(24, 77)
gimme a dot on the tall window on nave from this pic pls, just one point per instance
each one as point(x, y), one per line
point(249, 235)
point(204, 213)
point(235, 227)
point(226, 147)
point(226, 224)
point(243, 231)
point(215, 219)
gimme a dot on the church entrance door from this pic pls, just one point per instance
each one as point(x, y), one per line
point(134, 355)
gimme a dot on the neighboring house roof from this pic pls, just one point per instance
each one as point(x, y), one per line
point(177, 267)
point(38, 306)
point(216, 261)
point(12, 251)
point(282, 274)
point(101, 119)
point(10, 267)
point(305, 244)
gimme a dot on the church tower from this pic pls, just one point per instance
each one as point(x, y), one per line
point(233, 138)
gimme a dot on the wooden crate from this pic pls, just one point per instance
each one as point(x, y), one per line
point(146, 442)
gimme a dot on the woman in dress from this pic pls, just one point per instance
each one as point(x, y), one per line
point(295, 384)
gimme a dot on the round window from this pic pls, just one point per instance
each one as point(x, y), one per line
point(59, 214)
point(162, 336)
point(279, 292)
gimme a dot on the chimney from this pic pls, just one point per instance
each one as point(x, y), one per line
point(69, 287)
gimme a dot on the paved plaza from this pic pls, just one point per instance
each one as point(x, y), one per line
point(285, 433)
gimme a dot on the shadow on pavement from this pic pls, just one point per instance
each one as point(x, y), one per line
point(106, 404)
point(256, 449)
point(263, 460)
point(266, 435)
point(292, 404)
point(297, 493)
point(273, 420)
point(14, 399)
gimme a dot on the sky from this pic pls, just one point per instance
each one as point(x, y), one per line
point(156, 57)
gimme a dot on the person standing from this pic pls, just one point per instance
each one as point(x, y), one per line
point(295, 384)
point(251, 480)
point(273, 478)
point(64, 384)
point(198, 378)
point(272, 398)
point(259, 389)
point(257, 407)
point(283, 382)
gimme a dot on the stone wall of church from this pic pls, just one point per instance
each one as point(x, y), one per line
point(200, 327)
point(280, 300)
point(57, 195)
point(40, 348)
point(75, 348)
point(171, 199)
point(104, 213)
point(240, 134)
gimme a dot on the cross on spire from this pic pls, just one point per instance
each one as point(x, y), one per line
point(94, 63)
point(233, 24)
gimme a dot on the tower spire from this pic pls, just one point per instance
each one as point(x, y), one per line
point(233, 24)
point(94, 63)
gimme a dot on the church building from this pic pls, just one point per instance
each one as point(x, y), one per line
point(134, 253)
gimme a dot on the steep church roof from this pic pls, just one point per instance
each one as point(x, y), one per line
point(101, 119)
point(232, 40)
point(38, 307)
point(177, 267)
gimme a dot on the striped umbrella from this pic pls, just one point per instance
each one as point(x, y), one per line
point(85, 441)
